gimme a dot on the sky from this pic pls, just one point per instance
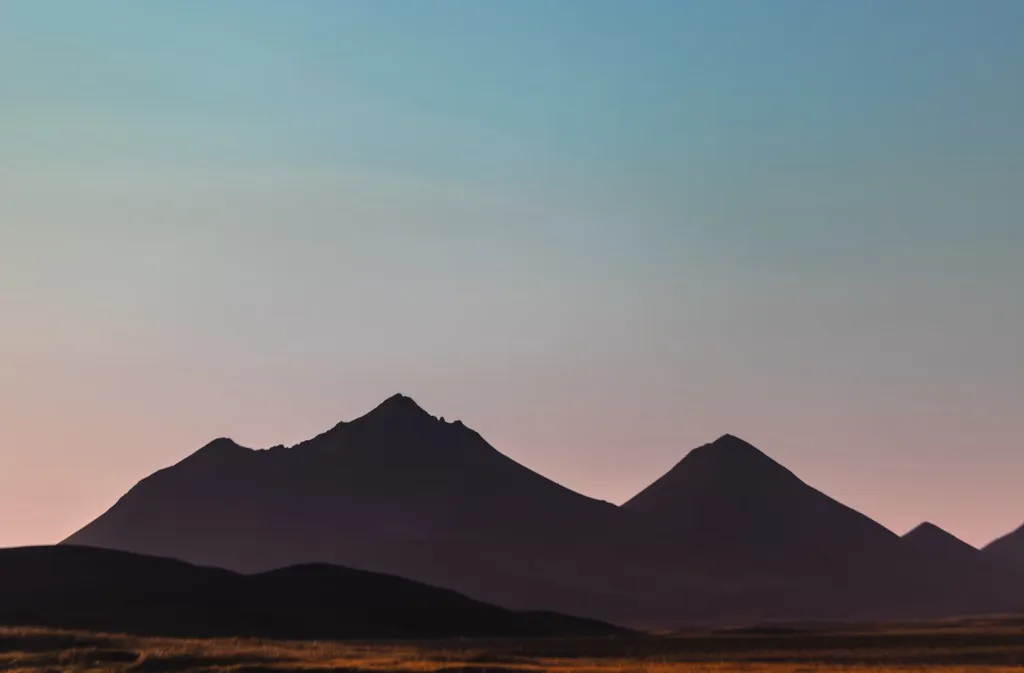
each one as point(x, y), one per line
point(600, 233)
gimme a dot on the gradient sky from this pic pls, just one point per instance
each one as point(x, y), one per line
point(601, 233)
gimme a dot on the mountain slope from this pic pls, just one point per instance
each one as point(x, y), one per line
point(1008, 550)
point(104, 590)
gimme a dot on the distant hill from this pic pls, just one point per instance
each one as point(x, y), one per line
point(964, 574)
point(930, 539)
point(105, 590)
point(727, 536)
point(1008, 550)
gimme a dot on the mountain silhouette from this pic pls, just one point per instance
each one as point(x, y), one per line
point(396, 490)
point(748, 527)
point(728, 535)
point(731, 501)
point(103, 590)
point(1008, 550)
point(963, 574)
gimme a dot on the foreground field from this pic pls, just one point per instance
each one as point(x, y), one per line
point(956, 646)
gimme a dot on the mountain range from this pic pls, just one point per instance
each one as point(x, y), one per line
point(727, 536)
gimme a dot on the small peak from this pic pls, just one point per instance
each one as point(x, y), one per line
point(934, 537)
point(929, 531)
point(399, 406)
point(925, 528)
point(222, 444)
point(220, 449)
point(732, 454)
point(403, 402)
point(730, 447)
point(732, 441)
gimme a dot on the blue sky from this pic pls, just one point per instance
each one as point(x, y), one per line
point(600, 232)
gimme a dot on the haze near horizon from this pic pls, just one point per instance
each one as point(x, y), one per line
point(600, 233)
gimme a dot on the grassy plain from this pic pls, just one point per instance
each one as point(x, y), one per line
point(963, 646)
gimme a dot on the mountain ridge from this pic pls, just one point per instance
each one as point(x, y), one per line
point(727, 533)
point(412, 498)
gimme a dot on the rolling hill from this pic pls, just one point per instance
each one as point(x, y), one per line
point(111, 591)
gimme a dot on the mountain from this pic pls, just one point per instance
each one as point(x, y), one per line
point(763, 544)
point(769, 546)
point(103, 590)
point(970, 577)
point(397, 491)
point(727, 498)
point(1008, 550)
point(727, 536)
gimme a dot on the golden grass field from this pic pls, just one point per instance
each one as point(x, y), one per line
point(995, 644)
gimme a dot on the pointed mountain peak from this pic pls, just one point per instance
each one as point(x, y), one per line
point(221, 444)
point(926, 528)
point(220, 451)
point(398, 407)
point(726, 465)
point(932, 538)
point(399, 403)
point(729, 453)
point(733, 443)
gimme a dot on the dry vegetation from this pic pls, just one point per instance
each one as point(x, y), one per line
point(960, 646)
